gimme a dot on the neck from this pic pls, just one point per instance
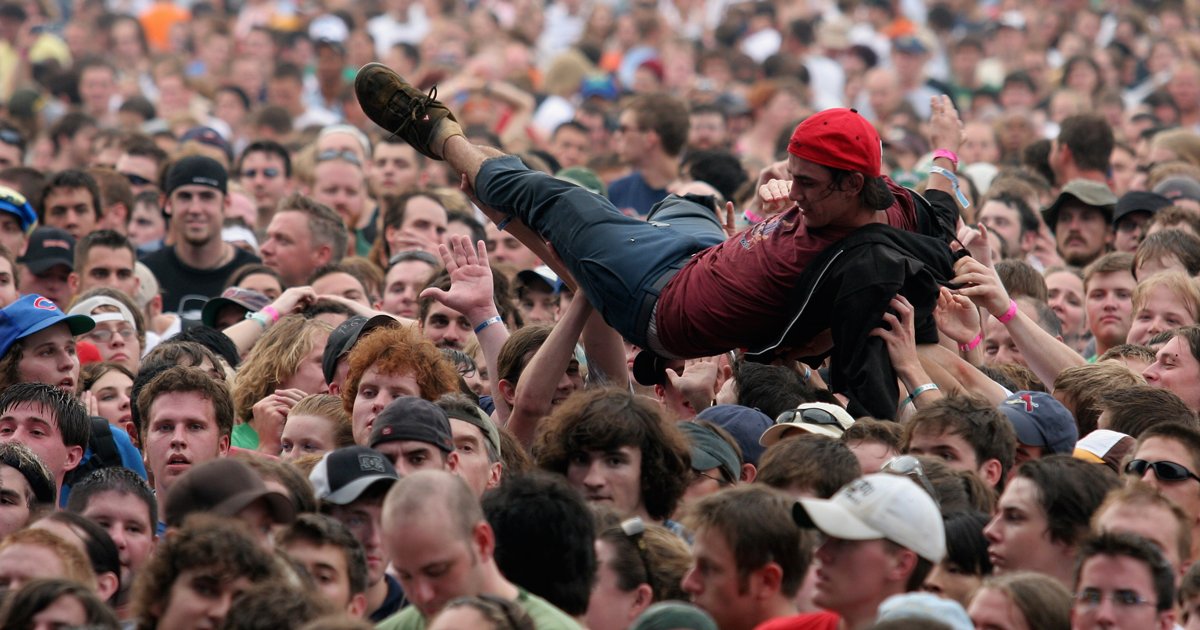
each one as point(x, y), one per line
point(777, 607)
point(659, 170)
point(375, 596)
point(1070, 172)
point(863, 614)
point(210, 255)
point(495, 584)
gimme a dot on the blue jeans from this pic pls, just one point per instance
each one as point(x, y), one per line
point(621, 263)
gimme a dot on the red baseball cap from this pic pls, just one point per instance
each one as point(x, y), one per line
point(839, 138)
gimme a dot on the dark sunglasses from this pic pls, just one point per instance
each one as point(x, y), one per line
point(137, 180)
point(810, 416)
point(1165, 471)
point(12, 136)
point(269, 172)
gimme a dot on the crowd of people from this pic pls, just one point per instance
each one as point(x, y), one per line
point(620, 315)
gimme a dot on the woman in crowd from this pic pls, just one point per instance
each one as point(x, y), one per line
point(636, 566)
point(56, 603)
point(1021, 600)
point(107, 390)
point(317, 424)
point(1162, 302)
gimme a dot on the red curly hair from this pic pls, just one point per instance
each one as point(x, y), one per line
point(400, 350)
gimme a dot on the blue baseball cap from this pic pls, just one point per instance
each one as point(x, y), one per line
point(1040, 420)
point(34, 313)
point(14, 203)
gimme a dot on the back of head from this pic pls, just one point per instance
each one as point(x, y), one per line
point(771, 389)
point(756, 522)
point(1131, 410)
point(815, 464)
point(1020, 279)
point(1090, 139)
point(263, 606)
point(1081, 387)
point(544, 533)
point(436, 495)
point(1042, 600)
point(658, 558)
point(666, 115)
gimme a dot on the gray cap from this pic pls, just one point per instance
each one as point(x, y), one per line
point(1088, 192)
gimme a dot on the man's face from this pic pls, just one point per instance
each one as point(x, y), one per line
point(36, 426)
point(71, 209)
point(612, 478)
point(48, 356)
point(707, 131)
point(821, 203)
point(15, 498)
point(403, 284)
point(140, 170)
point(363, 519)
point(180, 433)
point(1185, 493)
point(11, 234)
point(505, 248)
point(1108, 577)
point(97, 85)
point(126, 518)
point(200, 598)
point(849, 573)
point(570, 147)
point(424, 226)
point(1176, 369)
point(197, 213)
point(10, 155)
point(1019, 535)
point(146, 225)
point(341, 186)
point(1109, 306)
point(1161, 310)
point(954, 450)
point(1130, 231)
point(434, 562)
point(473, 464)
point(714, 581)
point(538, 306)
point(410, 456)
point(108, 267)
point(394, 169)
point(343, 284)
point(52, 283)
point(999, 346)
point(289, 248)
point(1152, 522)
point(263, 176)
point(376, 391)
point(446, 327)
point(1005, 221)
point(327, 566)
point(631, 140)
point(1081, 234)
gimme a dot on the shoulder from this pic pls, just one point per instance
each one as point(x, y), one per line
point(407, 619)
point(544, 614)
point(243, 257)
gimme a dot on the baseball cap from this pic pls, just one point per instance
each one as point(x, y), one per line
point(343, 338)
point(815, 417)
point(252, 301)
point(480, 420)
point(208, 136)
point(543, 274)
point(879, 506)
point(33, 313)
point(839, 138)
point(196, 170)
point(584, 177)
point(344, 474)
point(673, 615)
point(1090, 193)
point(48, 247)
point(1179, 187)
point(710, 451)
point(1139, 201)
point(1105, 446)
point(925, 607)
point(16, 204)
point(223, 486)
point(746, 425)
point(1040, 420)
point(909, 45)
point(412, 418)
point(87, 306)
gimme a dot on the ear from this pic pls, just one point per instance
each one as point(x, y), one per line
point(452, 461)
point(495, 472)
point(74, 456)
point(642, 598)
point(904, 562)
point(357, 605)
point(991, 471)
point(1166, 619)
point(223, 446)
point(508, 391)
point(749, 473)
point(324, 254)
point(484, 540)
point(73, 282)
point(107, 584)
point(768, 579)
point(131, 429)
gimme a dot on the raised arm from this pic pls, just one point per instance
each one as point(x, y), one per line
point(246, 333)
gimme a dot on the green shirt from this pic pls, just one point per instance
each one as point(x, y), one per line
point(244, 436)
point(545, 616)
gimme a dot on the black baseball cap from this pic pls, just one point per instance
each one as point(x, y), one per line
point(344, 474)
point(412, 418)
point(343, 338)
point(197, 170)
point(224, 487)
point(48, 247)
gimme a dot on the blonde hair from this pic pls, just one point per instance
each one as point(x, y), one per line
point(330, 408)
point(1178, 283)
point(76, 566)
point(274, 358)
point(1182, 142)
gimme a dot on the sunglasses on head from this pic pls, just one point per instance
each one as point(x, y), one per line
point(810, 416)
point(1165, 471)
point(12, 136)
point(331, 154)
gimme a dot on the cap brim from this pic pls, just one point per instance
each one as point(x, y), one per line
point(40, 266)
point(282, 509)
point(208, 315)
point(832, 520)
point(77, 324)
point(775, 433)
point(350, 492)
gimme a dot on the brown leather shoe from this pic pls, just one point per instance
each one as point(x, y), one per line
point(394, 104)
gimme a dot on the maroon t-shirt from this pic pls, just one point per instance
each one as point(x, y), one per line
point(735, 295)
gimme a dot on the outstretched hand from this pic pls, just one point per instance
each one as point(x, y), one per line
point(956, 317)
point(471, 289)
point(900, 334)
point(945, 128)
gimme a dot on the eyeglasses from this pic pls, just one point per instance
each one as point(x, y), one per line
point(635, 530)
point(1165, 471)
point(1090, 598)
point(104, 335)
point(911, 467)
point(698, 475)
point(136, 180)
point(809, 415)
point(269, 172)
point(330, 154)
point(12, 136)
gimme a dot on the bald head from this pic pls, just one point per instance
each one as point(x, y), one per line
point(436, 494)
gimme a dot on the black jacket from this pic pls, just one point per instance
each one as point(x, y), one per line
point(849, 286)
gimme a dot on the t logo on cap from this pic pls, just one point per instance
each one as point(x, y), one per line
point(371, 463)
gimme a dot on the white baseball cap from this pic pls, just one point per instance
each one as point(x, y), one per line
point(815, 417)
point(879, 506)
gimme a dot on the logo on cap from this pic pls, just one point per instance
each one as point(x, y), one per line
point(373, 463)
point(53, 242)
point(45, 304)
point(858, 491)
point(1024, 399)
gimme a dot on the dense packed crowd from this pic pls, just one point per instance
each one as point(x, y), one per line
point(593, 313)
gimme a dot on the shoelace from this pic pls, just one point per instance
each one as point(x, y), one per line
point(419, 107)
